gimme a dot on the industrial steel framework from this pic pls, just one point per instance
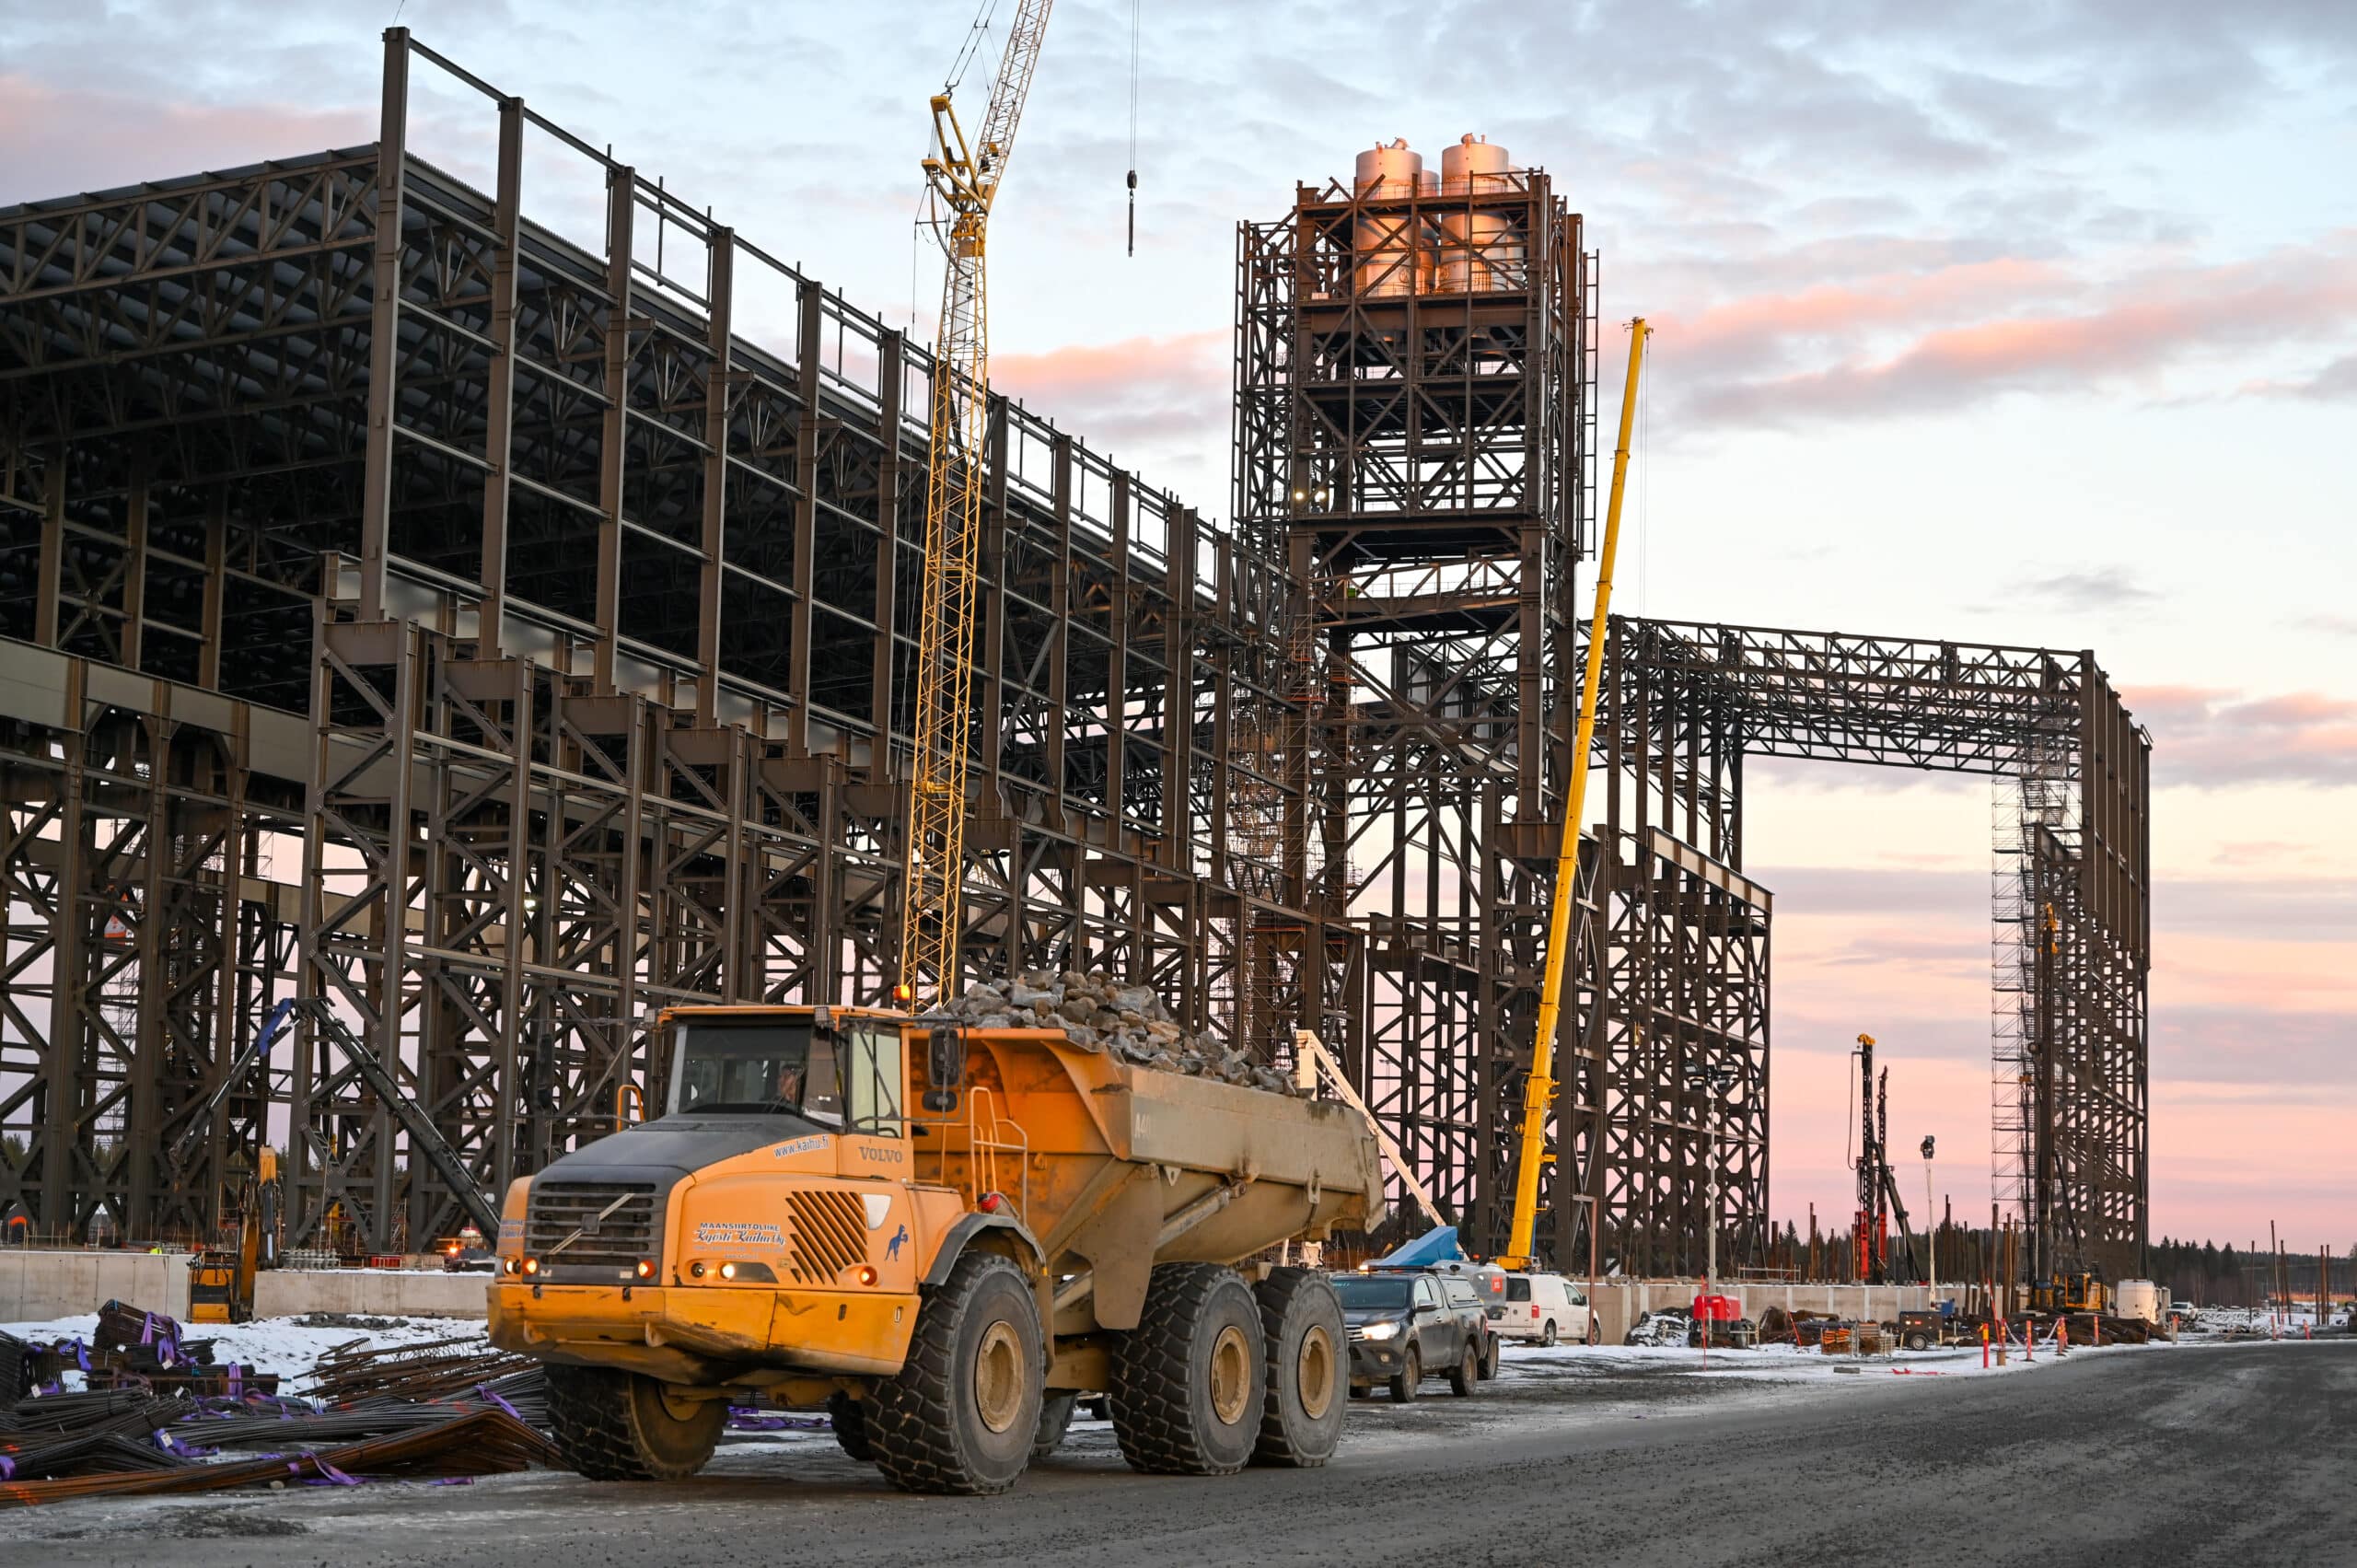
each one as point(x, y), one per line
point(1415, 429)
point(504, 638)
point(1414, 434)
point(1683, 705)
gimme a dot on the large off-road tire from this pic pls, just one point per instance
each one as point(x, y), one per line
point(1188, 1381)
point(1410, 1373)
point(849, 1418)
point(1307, 1368)
point(1055, 1420)
point(1465, 1376)
point(961, 1414)
point(615, 1425)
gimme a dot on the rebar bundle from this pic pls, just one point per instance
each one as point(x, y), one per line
point(437, 1369)
point(478, 1442)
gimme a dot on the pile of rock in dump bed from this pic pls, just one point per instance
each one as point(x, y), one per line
point(1099, 1012)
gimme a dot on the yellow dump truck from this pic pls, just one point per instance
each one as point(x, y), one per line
point(944, 1235)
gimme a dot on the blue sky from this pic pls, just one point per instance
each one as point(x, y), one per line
point(2025, 323)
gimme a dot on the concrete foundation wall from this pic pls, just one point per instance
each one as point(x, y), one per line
point(376, 1292)
point(36, 1286)
point(1620, 1303)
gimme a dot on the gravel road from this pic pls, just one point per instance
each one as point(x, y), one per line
point(2241, 1455)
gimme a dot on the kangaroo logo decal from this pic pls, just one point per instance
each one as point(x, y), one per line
point(892, 1248)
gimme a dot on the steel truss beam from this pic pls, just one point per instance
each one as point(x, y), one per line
point(1685, 704)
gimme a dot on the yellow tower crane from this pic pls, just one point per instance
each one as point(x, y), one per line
point(1538, 1092)
point(964, 179)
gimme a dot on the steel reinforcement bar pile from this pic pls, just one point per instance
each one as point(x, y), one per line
point(448, 1408)
point(482, 1441)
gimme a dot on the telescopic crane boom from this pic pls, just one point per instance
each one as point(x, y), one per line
point(964, 179)
point(1538, 1091)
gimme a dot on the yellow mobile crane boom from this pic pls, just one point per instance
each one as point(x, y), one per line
point(964, 178)
point(1539, 1093)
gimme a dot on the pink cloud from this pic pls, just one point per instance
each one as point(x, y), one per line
point(2208, 737)
point(1143, 390)
point(58, 141)
point(1759, 327)
point(1973, 331)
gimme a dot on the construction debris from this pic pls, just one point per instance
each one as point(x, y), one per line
point(438, 1369)
point(153, 1414)
point(465, 1442)
point(1100, 1013)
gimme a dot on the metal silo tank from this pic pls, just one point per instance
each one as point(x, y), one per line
point(1480, 252)
point(1392, 251)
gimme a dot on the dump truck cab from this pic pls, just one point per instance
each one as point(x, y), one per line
point(933, 1231)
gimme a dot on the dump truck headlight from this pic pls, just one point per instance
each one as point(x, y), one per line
point(1386, 1330)
point(531, 1265)
point(510, 1266)
point(727, 1270)
point(646, 1270)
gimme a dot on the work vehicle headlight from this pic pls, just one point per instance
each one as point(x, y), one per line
point(1386, 1330)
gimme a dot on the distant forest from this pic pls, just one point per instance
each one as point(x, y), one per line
point(2199, 1272)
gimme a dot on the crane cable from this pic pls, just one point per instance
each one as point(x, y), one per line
point(1133, 125)
point(974, 36)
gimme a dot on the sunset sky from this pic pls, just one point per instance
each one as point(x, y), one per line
point(2018, 322)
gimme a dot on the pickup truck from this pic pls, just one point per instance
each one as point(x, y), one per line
point(1405, 1326)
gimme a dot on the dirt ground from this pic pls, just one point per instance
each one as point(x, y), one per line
point(2236, 1455)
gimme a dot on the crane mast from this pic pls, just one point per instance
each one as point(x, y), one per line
point(964, 179)
point(1539, 1089)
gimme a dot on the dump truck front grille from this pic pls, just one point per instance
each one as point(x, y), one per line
point(615, 1221)
point(830, 1235)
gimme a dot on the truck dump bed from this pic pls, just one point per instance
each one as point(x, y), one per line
point(1113, 1167)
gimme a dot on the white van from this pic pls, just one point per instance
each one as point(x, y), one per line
point(1546, 1307)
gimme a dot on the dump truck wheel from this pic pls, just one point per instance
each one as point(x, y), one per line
point(1309, 1367)
point(1188, 1381)
point(1055, 1420)
point(961, 1416)
point(848, 1418)
point(615, 1425)
point(1411, 1372)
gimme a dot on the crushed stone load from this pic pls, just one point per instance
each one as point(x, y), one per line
point(1101, 1012)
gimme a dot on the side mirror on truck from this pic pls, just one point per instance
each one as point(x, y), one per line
point(944, 1068)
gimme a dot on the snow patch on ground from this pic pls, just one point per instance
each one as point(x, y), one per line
point(288, 1346)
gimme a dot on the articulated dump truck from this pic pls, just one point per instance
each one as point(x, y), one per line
point(944, 1237)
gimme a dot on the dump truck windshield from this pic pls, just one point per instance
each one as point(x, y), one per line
point(1361, 1293)
point(763, 1069)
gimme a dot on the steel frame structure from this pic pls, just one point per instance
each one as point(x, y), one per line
point(413, 607)
point(500, 637)
point(1415, 434)
point(1683, 705)
point(1423, 452)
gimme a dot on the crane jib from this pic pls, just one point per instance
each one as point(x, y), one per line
point(964, 178)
